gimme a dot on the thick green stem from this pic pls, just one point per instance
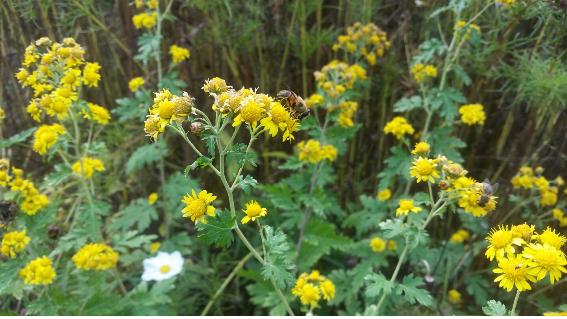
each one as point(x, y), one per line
point(513, 311)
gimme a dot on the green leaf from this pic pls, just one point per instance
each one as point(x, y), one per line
point(15, 139)
point(392, 228)
point(123, 242)
point(377, 285)
point(429, 49)
point(320, 237)
point(461, 74)
point(10, 282)
point(148, 43)
point(494, 308)
point(409, 289)
point(447, 100)
point(397, 165)
point(278, 261)
point(139, 214)
point(218, 230)
point(146, 155)
point(239, 153)
point(200, 162)
point(444, 144)
point(247, 183)
point(408, 103)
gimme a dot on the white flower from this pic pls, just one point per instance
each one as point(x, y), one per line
point(162, 266)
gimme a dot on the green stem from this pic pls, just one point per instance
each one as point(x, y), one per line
point(513, 311)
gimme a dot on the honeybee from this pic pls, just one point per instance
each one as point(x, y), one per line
point(294, 103)
point(487, 190)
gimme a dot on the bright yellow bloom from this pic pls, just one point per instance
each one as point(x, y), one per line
point(313, 152)
point(514, 271)
point(424, 170)
point(197, 206)
point(34, 203)
point(545, 259)
point(145, 20)
point(548, 196)
point(405, 207)
point(328, 289)
point(421, 148)
point(251, 113)
point(152, 199)
point(472, 114)
point(454, 296)
point(377, 244)
point(215, 85)
point(310, 287)
point(253, 210)
point(153, 126)
point(315, 100)
point(384, 195)
point(422, 72)
point(154, 247)
point(95, 256)
point(97, 114)
point(38, 272)
point(501, 242)
point(14, 242)
point(91, 75)
point(398, 127)
point(87, 166)
point(136, 83)
point(469, 200)
point(310, 295)
point(46, 136)
point(460, 236)
point(550, 237)
point(71, 78)
point(179, 54)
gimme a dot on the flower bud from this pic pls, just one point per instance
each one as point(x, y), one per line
point(197, 128)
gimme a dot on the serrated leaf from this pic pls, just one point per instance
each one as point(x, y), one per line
point(392, 228)
point(17, 138)
point(146, 155)
point(139, 214)
point(377, 284)
point(445, 144)
point(218, 229)
point(494, 308)
point(278, 262)
point(408, 103)
point(247, 183)
point(238, 152)
point(200, 162)
point(320, 237)
point(409, 289)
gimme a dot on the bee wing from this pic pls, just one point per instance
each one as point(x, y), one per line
point(495, 187)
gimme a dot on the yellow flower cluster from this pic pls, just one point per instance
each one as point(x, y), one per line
point(366, 40)
point(13, 243)
point(313, 152)
point(198, 206)
point(336, 77)
point(311, 287)
point(135, 83)
point(467, 30)
point(87, 166)
point(384, 194)
point(460, 236)
point(405, 206)
point(146, 20)
point(33, 201)
point(150, 4)
point(398, 127)
point(252, 108)
point(525, 256)
point(347, 111)
point(166, 109)
point(315, 100)
point(421, 72)
point(472, 114)
point(560, 216)
point(38, 272)
point(96, 113)
point(95, 256)
point(46, 136)
point(56, 72)
point(253, 211)
point(526, 178)
point(179, 54)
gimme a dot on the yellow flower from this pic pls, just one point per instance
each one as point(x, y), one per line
point(392, 245)
point(501, 242)
point(95, 256)
point(153, 126)
point(523, 231)
point(2, 114)
point(32, 204)
point(405, 207)
point(315, 100)
point(179, 54)
point(514, 271)
point(251, 112)
point(423, 169)
point(377, 244)
point(548, 197)
point(91, 75)
point(136, 83)
point(253, 210)
point(152, 199)
point(197, 206)
point(46, 136)
point(71, 78)
point(460, 236)
point(421, 72)
point(384, 195)
point(550, 237)
point(545, 259)
point(87, 166)
point(467, 29)
point(328, 289)
point(154, 247)
point(38, 272)
point(555, 314)
point(97, 114)
point(144, 20)
point(472, 114)
point(398, 127)
point(421, 148)
point(469, 201)
point(506, 3)
point(310, 295)
point(454, 296)
point(215, 85)
point(14, 242)
point(313, 152)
